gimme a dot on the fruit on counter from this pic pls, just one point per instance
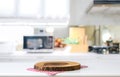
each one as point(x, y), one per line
point(56, 44)
point(62, 45)
point(59, 43)
point(59, 40)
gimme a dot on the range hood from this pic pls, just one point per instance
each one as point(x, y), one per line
point(105, 6)
point(106, 1)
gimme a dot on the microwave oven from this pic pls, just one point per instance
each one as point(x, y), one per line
point(44, 43)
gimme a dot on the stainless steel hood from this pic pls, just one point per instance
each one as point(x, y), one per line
point(106, 1)
point(105, 6)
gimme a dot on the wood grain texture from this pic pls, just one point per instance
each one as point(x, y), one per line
point(57, 66)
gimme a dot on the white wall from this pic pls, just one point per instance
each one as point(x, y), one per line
point(96, 16)
point(60, 31)
point(77, 10)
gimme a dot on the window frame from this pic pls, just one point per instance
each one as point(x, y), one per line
point(39, 20)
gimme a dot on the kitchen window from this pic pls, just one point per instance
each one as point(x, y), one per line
point(44, 10)
point(28, 8)
point(7, 8)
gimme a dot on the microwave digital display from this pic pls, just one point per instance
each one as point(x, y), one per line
point(38, 42)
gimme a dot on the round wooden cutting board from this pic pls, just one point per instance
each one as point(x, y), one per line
point(57, 66)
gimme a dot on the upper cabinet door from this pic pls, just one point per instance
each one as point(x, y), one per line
point(107, 1)
point(7, 8)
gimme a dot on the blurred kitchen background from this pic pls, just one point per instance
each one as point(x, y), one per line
point(100, 22)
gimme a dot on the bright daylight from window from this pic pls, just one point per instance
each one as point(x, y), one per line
point(40, 9)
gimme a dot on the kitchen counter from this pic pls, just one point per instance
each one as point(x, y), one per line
point(99, 65)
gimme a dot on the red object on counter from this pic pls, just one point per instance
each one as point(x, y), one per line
point(51, 73)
